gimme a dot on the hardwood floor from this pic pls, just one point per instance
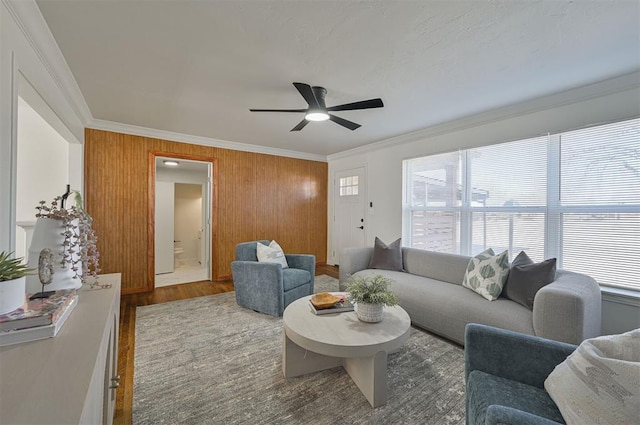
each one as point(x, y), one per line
point(128, 304)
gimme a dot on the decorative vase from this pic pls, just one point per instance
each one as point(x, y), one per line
point(371, 313)
point(48, 233)
point(12, 294)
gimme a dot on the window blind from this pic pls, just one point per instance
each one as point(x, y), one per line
point(574, 196)
point(601, 165)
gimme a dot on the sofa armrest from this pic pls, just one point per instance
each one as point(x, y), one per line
point(305, 262)
point(302, 261)
point(258, 286)
point(502, 415)
point(512, 355)
point(568, 309)
point(353, 260)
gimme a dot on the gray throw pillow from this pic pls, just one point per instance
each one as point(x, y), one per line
point(387, 257)
point(526, 278)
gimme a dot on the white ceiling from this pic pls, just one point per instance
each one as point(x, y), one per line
point(196, 67)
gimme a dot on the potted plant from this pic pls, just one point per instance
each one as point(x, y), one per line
point(12, 282)
point(68, 232)
point(370, 294)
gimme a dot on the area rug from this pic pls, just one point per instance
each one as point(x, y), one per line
point(208, 361)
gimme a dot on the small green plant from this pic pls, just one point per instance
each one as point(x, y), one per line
point(371, 290)
point(12, 268)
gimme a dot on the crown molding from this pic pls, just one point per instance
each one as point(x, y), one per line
point(29, 19)
point(580, 94)
point(198, 140)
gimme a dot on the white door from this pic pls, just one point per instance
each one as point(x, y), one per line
point(164, 257)
point(349, 201)
point(207, 196)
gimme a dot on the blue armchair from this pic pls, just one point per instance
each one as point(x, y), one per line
point(267, 287)
point(505, 373)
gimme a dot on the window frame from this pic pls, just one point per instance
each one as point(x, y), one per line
point(554, 211)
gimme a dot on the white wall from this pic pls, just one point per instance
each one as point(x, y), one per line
point(21, 29)
point(42, 171)
point(188, 218)
point(608, 101)
point(43, 162)
point(180, 176)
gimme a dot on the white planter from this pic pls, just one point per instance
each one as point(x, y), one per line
point(12, 294)
point(371, 313)
point(48, 234)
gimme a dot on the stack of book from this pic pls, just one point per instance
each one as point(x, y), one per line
point(338, 304)
point(37, 319)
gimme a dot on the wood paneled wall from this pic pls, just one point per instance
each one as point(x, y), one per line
point(258, 197)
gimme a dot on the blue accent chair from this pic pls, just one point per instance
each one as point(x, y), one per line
point(505, 373)
point(267, 287)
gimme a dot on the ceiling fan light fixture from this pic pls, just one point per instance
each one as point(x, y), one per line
point(317, 116)
point(318, 111)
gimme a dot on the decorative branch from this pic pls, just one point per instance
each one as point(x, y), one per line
point(79, 246)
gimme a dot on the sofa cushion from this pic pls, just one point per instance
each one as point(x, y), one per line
point(271, 254)
point(600, 381)
point(526, 278)
point(484, 390)
point(436, 265)
point(445, 308)
point(487, 273)
point(502, 415)
point(292, 278)
point(387, 257)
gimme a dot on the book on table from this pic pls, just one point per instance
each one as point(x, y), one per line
point(38, 312)
point(339, 307)
point(40, 332)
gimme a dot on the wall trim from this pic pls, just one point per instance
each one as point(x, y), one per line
point(29, 19)
point(620, 296)
point(580, 94)
point(199, 140)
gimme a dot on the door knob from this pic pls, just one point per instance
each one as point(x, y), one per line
point(361, 227)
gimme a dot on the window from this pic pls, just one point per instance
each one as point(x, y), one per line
point(349, 186)
point(574, 196)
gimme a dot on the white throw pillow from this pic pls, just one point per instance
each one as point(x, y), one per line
point(599, 383)
point(271, 254)
point(486, 273)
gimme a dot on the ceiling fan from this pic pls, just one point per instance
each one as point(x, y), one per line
point(318, 111)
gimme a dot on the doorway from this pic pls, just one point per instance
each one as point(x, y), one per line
point(349, 200)
point(182, 221)
point(48, 157)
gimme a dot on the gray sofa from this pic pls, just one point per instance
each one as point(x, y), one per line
point(430, 290)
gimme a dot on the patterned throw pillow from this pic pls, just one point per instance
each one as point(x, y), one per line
point(486, 273)
point(271, 254)
point(599, 383)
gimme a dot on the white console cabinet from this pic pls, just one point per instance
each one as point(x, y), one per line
point(72, 377)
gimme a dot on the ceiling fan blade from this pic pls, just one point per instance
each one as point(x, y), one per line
point(363, 104)
point(300, 125)
point(278, 110)
point(345, 123)
point(306, 92)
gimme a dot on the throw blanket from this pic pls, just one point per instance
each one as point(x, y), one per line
point(599, 383)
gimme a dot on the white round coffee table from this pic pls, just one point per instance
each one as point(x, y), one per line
point(318, 342)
